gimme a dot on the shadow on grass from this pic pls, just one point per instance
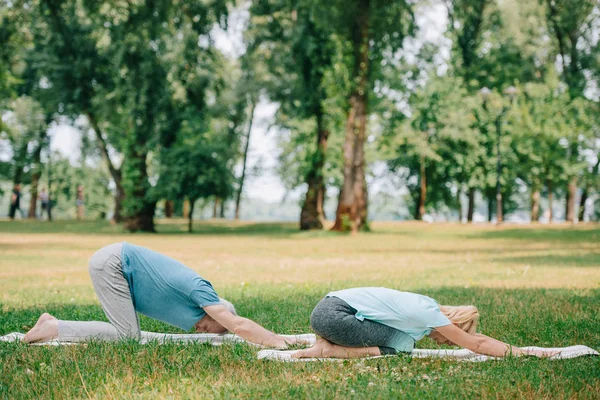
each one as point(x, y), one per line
point(570, 234)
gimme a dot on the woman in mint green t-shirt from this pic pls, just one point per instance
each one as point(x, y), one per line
point(372, 321)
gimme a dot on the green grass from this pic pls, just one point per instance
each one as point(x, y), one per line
point(533, 286)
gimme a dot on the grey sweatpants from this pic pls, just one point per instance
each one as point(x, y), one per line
point(334, 320)
point(112, 289)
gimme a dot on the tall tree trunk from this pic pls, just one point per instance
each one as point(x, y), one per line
point(139, 209)
point(186, 208)
point(114, 172)
point(119, 198)
point(571, 194)
point(191, 215)
point(550, 200)
point(459, 204)
point(490, 206)
point(582, 201)
point(420, 206)
point(586, 190)
point(216, 207)
point(352, 196)
point(471, 208)
point(238, 197)
point(35, 177)
point(169, 208)
point(312, 215)
point(222, 209)
point(535, 204)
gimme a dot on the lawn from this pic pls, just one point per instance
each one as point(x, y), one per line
point(534, 285)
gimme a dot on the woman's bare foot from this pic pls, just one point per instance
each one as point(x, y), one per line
point(46, 328)
point(321, 349)
point(326, 349)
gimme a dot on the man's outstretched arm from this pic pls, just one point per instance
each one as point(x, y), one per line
point(246, 328)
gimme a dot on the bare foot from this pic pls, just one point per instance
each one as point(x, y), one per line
point(46, 328)
point(321, 349)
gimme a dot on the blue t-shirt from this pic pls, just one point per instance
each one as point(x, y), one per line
point(414, 314)
point(165, 289)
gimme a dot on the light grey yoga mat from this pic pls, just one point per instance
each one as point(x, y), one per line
point(309, 338)
point(459, 355)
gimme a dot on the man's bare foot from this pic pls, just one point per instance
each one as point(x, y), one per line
point(46, 328)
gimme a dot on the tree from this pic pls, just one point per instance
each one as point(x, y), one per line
point(121, 67)
point(433, 141)
point(27, 134)
point(298, 52)
point(194, 167)
point(570, 24)
point(537, 128)
point(466, 20)
point(367, 30)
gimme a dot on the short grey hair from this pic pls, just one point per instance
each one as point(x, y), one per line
point(228, 305)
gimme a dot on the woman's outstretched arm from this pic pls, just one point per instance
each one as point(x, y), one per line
point(483, 344)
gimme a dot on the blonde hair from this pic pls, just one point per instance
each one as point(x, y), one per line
point(465, 317)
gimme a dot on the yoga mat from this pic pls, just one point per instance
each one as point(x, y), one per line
point(309, 338)
point(459, 355)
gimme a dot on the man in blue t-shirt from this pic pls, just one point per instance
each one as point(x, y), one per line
point(130, 279)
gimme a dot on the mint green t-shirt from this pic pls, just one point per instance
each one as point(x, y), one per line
point(414, 314)
point(164, 289)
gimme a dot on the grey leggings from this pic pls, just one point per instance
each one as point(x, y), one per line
point(112, 289)
point(334, 320)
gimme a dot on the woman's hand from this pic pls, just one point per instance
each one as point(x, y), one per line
point(297, 340)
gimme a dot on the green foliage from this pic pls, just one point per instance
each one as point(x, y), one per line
point(439, 137)
point(65, 178)
point(26, 131)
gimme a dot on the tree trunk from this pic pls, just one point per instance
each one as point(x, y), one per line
point(49, 185)
point(216, 207)
point(571, 193)
point(222, 209)
point(490, 205)
point(169, 208)
point(535, 204)
point(550, 199)
point(238, 197)
point(312, 215)
point(582, 201)
point(35, 179)
point(459, 204)
point(139, 209)
point(352, 200)
point(499, 208)
point(119, 197)
point(143, 220)
point(114, 172)
point(186, 208)
point(420, 206)
point(471, 208)
point(191, 215)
